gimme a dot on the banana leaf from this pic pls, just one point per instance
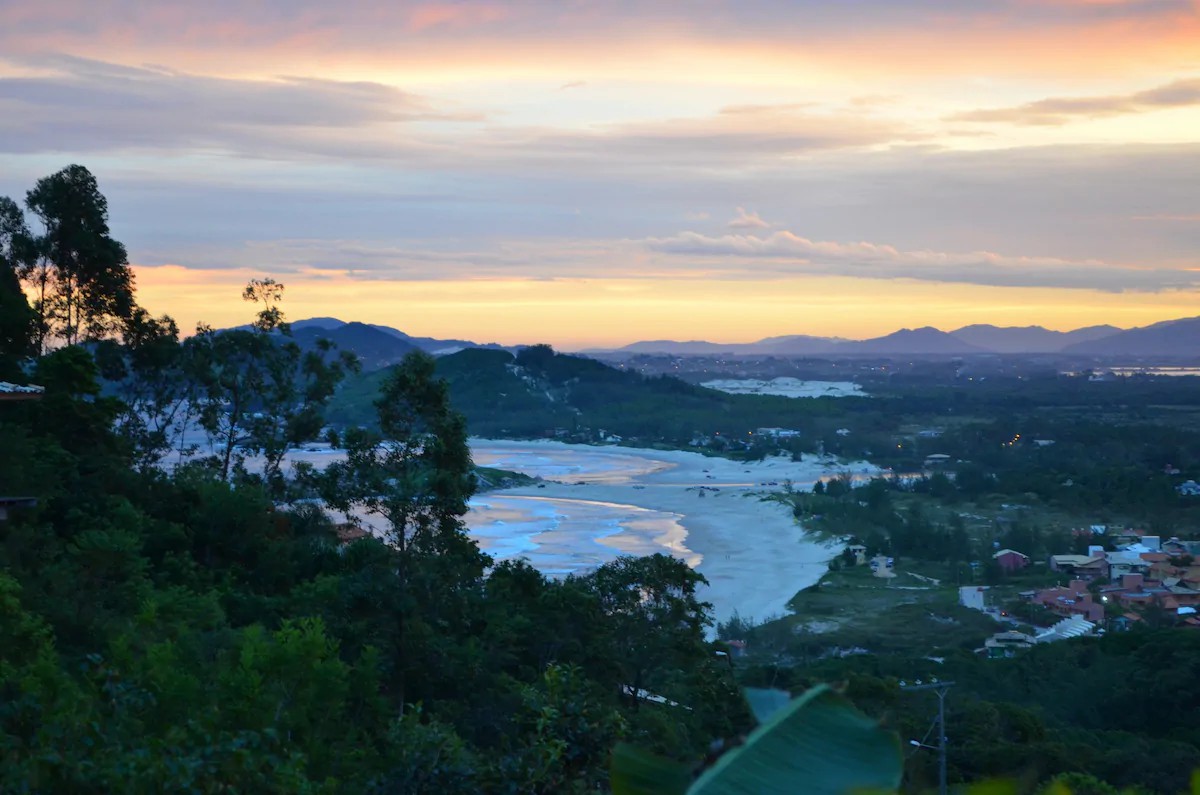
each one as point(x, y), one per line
point(818, 744)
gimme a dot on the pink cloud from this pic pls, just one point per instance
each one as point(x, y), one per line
point(454, 15)
point(747, 220)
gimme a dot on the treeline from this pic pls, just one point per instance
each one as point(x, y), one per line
point(187, 629)
point(537, 391)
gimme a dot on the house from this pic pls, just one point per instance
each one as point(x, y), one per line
point(1173, 546)
point(1073, 600)
point(349, 533)
point(1043, 442)
point(973, 596)
point(1124, 562)
point(1136, 541)
point(937, 459)
point(1080, 567)
point(1007, 644)
point(842, 431)
point(777, 433)
point(930, 433)
point(1136, 592)
point(7, 503)
point(859, 551)
point(1189, 488)
point(1124, 623)
point(1011, 560)
point(10, 391)
point(1122, 538)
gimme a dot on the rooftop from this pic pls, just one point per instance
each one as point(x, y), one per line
point(348, 532)
point(9, 391)
point(1075, 560)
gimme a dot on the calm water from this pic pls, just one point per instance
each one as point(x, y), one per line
point(567, 536)
point(580, 464)
point(563, 536)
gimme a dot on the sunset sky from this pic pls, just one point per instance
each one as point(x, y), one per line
point(593, 173)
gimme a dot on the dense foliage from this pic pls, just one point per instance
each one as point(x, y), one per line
point(539, 392)
point(1119, 709)
point(180, 623)
point(170, 632)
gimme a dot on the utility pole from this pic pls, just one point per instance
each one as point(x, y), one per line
point(940, 688)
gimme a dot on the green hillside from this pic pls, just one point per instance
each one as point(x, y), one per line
point(539, 391)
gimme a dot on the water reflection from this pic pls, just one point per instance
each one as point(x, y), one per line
point(568, 536)
point(584, 465)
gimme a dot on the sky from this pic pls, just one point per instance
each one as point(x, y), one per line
point(594, 173)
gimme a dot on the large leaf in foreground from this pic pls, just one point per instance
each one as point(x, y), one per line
point(764, 703)
point(818, 744)
point(638, 772)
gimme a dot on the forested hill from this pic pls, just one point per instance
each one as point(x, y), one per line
point(539, 391)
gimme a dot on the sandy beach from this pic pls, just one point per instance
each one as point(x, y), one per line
point(597, 502)
point(753, 553)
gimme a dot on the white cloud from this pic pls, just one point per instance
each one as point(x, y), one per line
point(786, 253)
point(745, 220)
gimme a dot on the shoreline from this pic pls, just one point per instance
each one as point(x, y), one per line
point(752, 551)
point(754, 554)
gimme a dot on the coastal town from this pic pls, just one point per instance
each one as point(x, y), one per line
point(1142, 579)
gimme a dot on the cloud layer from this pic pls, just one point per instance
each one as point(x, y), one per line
point(785, 253)
point(1062, 110)
point(537, 148)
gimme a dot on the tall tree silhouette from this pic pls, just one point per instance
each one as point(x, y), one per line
point(16, 317)
point(80, 275)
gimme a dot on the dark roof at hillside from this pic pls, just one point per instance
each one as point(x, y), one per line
point(10, 391)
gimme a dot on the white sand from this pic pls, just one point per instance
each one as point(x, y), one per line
point(787, 387)
point(754, 555)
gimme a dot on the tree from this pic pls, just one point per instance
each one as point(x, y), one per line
point(296, 387)
point(148, 372)
point(416, 475)
point(81, 279)
point(269, 293)
point(535, 357)
point(16, 317)
point(227, 370)
point(258, 392)
point(656, 617)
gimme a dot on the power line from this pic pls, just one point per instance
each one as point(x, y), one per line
point(940, 688)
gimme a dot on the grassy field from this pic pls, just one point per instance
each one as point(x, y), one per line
point(851, 611)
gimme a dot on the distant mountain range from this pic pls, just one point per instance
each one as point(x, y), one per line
point(376, 346)
point(379, 346)
point(1169, 339)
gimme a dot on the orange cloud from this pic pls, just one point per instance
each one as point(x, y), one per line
point(432, 41)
